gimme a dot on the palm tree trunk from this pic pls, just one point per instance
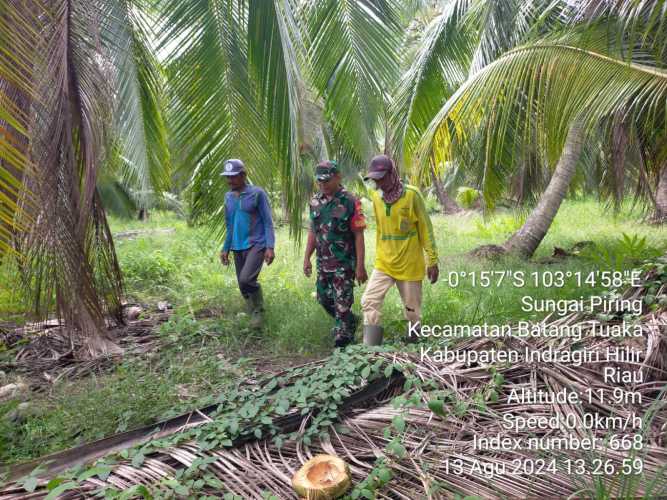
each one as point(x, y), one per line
point(526, 240)
point(661, 197)
point(448, 205)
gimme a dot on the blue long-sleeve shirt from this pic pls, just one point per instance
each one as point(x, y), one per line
point(248, 218)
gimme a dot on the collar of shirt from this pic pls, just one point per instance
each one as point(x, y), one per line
point(245, 190)
point(322, 197)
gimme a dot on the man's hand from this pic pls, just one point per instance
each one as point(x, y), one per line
point(433, 272)
point(360, 274)
point(269, 255)
point(224, 258)
point(307, 268)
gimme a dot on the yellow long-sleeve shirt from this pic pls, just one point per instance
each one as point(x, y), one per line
point(404, 234)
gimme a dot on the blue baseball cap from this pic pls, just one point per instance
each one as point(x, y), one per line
point(233, 167)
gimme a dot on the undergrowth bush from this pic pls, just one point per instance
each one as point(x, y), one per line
point(504, 225)
point(432, 204)
point(141, 269)
point(467, 196)
point(623, 252)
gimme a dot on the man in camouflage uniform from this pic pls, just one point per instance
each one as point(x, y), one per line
point(337, 234)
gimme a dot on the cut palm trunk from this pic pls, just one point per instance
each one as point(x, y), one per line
point(526, 240)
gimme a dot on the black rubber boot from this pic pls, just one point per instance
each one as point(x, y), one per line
point(256, 302)
point(372, 335)
point(341, 340)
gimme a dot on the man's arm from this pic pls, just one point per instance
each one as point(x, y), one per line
point(360, 249)
point(426, 238)
point(358, 224)
point(224, 251)
point(267, 219)
point(310, 248)
point(269, 234)
point(373, 198)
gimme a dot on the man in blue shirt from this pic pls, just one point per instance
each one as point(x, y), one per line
point(250, 235)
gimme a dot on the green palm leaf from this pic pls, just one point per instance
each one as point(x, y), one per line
point(233, 83)
point(140, 104)
point(553, 82)
point(438, 66)
point(273, 41)
point(637, 22)
point(502, 25)
point(352, 48)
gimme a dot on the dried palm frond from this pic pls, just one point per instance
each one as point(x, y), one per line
point(70, 262)
point(450, 411)
point(16, 94)
point(51, 350)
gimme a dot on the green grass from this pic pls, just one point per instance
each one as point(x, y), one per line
point(184, 269)
point(187, 374)
point(200, 360)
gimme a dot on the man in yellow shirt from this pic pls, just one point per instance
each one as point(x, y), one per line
point(404, 235)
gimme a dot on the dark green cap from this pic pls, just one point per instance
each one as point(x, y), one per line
point(325, 170)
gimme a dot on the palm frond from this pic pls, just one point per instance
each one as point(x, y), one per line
point(140, 103)
point(18, 36)
point(273, 53)
point(501, 25)
point(233, 85)
point(352, 51)
point(554, 81)
point(438, 66)
point(71, 264)
point(639, 22)
point(212, 107)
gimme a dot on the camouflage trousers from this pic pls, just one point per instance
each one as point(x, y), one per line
point(335, 292)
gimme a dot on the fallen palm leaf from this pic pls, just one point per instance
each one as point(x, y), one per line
point(401, 445)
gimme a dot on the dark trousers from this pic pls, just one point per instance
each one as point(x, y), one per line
point(248, 264)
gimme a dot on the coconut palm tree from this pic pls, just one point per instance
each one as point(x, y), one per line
point(91, 99)
point(562, 83)
point(624, 157)
point(83, 91)
point(90, 96)
point(236, 73)
point(452, 42)
point(245, 74)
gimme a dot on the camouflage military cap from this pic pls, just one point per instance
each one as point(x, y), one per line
point(325, 170)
